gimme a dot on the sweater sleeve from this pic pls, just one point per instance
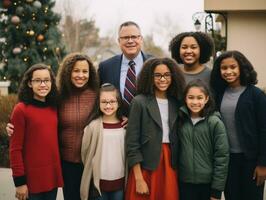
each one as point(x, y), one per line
point(260, 106)
point(133, 146)
point(86, 143)
point(17, 145)
point(221, 156)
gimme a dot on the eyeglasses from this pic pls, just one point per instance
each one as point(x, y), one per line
point(40, 81)
point(159, 76)
point(127, 38)
point(112, 102)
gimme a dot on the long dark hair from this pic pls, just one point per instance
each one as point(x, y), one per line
point(248, 76)
point(209, 107)
point(145, 84)
point(65, 85)
point(205, 42)
point(96, 112)
point(25, 93)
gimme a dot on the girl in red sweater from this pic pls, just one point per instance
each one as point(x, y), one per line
point(34, 152)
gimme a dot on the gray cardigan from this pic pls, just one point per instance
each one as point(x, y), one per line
point(144, 132)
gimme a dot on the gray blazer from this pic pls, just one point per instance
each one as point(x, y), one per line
point(144, 132)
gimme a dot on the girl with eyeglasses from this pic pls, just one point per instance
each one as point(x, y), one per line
point(151, 137)
point(103, 149)
point(34, 151)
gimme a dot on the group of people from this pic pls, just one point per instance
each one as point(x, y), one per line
point(142, 127)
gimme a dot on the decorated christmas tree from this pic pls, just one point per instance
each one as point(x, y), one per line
point(28, 35)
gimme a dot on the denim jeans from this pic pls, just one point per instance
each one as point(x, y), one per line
point(51, 195)
point(115, 195)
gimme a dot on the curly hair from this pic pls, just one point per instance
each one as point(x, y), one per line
point(65, 85)
point(205, 42)
point(145, 83)
point(25, 93)
point(248, 76)
point(96, 112)
point(210, 105)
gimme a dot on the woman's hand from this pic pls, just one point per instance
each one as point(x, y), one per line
point(260, 175)
point(9, 129)
point(22, 192)
point(124, 122)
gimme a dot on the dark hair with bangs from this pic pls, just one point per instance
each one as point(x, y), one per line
point(65, 85)
point(205, 42)
point(209, 107)
point(248, 76)
point(145, 83)
point(96, 112)
point(25, 93)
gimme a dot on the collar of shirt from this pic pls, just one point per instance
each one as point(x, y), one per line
point(138, 60)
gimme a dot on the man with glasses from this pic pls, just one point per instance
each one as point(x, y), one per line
point(122, 70)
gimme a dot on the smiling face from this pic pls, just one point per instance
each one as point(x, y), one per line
point(162, 80)
point(190, 51)
point(80, 73)
point(130, 41)
point(40, 84)
point(196, 100)
point(108, 103)
point(230, 72)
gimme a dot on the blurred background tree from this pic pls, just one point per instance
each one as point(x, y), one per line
point(28, 35)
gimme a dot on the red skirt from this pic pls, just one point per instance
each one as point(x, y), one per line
point(162, 182)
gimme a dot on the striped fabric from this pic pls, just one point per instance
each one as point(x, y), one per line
point(130, 84)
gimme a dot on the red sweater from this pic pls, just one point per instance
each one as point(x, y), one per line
point(34, 152)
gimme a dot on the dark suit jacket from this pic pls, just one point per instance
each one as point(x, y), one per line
point(144, 132)
point(109, 70)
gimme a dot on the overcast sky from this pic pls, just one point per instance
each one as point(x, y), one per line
point(161, 18)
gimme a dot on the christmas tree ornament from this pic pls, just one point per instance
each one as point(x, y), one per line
point(30, 32)
point(40, 38)
point(16, 50)
point(20, 10)
point(6, 3)
point(57, 50)
point(37, 4)
point(46, 9)
point(15, 19)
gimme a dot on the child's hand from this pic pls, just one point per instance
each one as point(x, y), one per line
point(142, 187)
point(22, 192)
point(212, 198)
point(259, 174)
point(9, 129)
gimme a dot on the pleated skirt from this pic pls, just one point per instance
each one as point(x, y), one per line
point(162, 182)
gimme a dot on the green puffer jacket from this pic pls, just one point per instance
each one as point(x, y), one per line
point(204, 151)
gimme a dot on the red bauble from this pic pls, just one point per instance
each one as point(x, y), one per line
point(6, 3)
